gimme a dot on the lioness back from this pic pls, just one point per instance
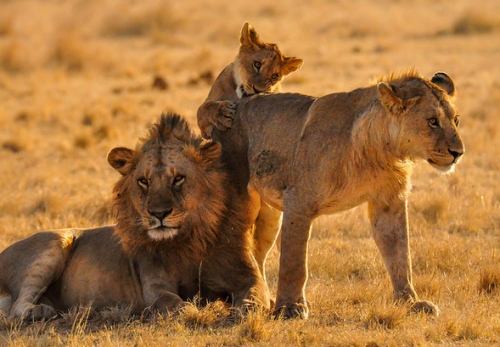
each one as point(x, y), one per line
point(259, 67)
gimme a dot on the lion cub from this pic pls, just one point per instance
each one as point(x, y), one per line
point(259, 67)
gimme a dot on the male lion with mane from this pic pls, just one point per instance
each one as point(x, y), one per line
point(310, 156)
point(180, 232)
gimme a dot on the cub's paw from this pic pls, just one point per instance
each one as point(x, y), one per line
point(291, 310)
point(425, 307)
point(227, 110)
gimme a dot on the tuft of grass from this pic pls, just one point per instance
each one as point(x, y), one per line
point(474, 23)
point(255, 326)
point(210, 316)
point(489, 280)
point(385, 317)
point(14, 146)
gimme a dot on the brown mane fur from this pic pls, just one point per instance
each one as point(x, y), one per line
point(205, 218)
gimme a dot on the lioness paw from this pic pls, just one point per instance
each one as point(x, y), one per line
point(291, 310)
point(425, 307)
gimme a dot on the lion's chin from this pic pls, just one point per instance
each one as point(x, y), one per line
point(443, 168)
point(163, 233)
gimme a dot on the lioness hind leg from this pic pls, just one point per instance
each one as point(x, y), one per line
point(5, 303)
point(267, 228)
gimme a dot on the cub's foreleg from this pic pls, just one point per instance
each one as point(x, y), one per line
point(218, 114)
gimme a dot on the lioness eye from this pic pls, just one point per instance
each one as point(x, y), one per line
point(178, 180)
point(457, 120)
point(433, 122)
point(143, 183)
point(274, 76)
point(257, 65)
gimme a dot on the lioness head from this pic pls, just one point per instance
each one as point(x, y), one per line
point(171, 184)
point(426, 117)
point(260, 66)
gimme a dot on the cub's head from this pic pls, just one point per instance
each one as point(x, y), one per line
point(427, 119)
point(171, 189)
point(259, 66)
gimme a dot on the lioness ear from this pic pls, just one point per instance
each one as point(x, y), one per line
point(393, 103)
point(290, 65)
point(210, 151)
point(444, 81)
point(249, 37)
point(389, 99)
point(120, 158)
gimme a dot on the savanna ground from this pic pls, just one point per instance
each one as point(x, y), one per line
point(76, 79)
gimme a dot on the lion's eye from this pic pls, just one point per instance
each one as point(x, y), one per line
point(178, 180)
point(456, 120)
point(274, 76)
point(257, 65)
point(143, 183)
point(433, 122)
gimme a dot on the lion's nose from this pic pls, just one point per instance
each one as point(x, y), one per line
point(456, 154)
point(160, 214)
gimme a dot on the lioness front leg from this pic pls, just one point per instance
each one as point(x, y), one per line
point(291, 300)
point(215, 113)
point(390, 231)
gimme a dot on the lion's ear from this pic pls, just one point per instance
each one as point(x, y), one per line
point(389, 99)
point(249, 37)
point(392, 102)
point(210, 151)
point(120, 158)
point(290, 65)
point(444, 81)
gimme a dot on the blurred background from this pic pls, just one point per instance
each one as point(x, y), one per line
point(78, 78)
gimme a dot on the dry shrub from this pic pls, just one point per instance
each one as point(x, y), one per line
point(256, 326)
point(385, 317)
point(70, 50)
point(125, 19)
point(208, 316)
point(489, 279)
point(13, 145)
point(475, 23)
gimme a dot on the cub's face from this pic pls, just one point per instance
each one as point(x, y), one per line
point(259, 66)
point(170, 185)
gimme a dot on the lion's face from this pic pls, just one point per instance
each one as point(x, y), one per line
point(429, 120)
point(260, 66)
point(169, 186)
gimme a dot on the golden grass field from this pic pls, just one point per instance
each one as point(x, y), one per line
point(76, 79)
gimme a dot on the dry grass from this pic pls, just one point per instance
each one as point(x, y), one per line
point(78, 78)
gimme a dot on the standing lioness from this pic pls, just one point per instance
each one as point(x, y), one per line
point(310, 156)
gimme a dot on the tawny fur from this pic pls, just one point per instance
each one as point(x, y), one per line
point(259, 67)
point(181, 231)
point(310, 156)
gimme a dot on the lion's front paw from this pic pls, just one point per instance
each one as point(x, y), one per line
point(425, 307)
point(291, 310)
point(36, 312)
point(227, 110)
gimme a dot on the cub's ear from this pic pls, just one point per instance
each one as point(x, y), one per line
point(444, 81)
point(120, 158)
point(290, 65)
point(210, 151)
point(392, 102)
point(249, 38)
